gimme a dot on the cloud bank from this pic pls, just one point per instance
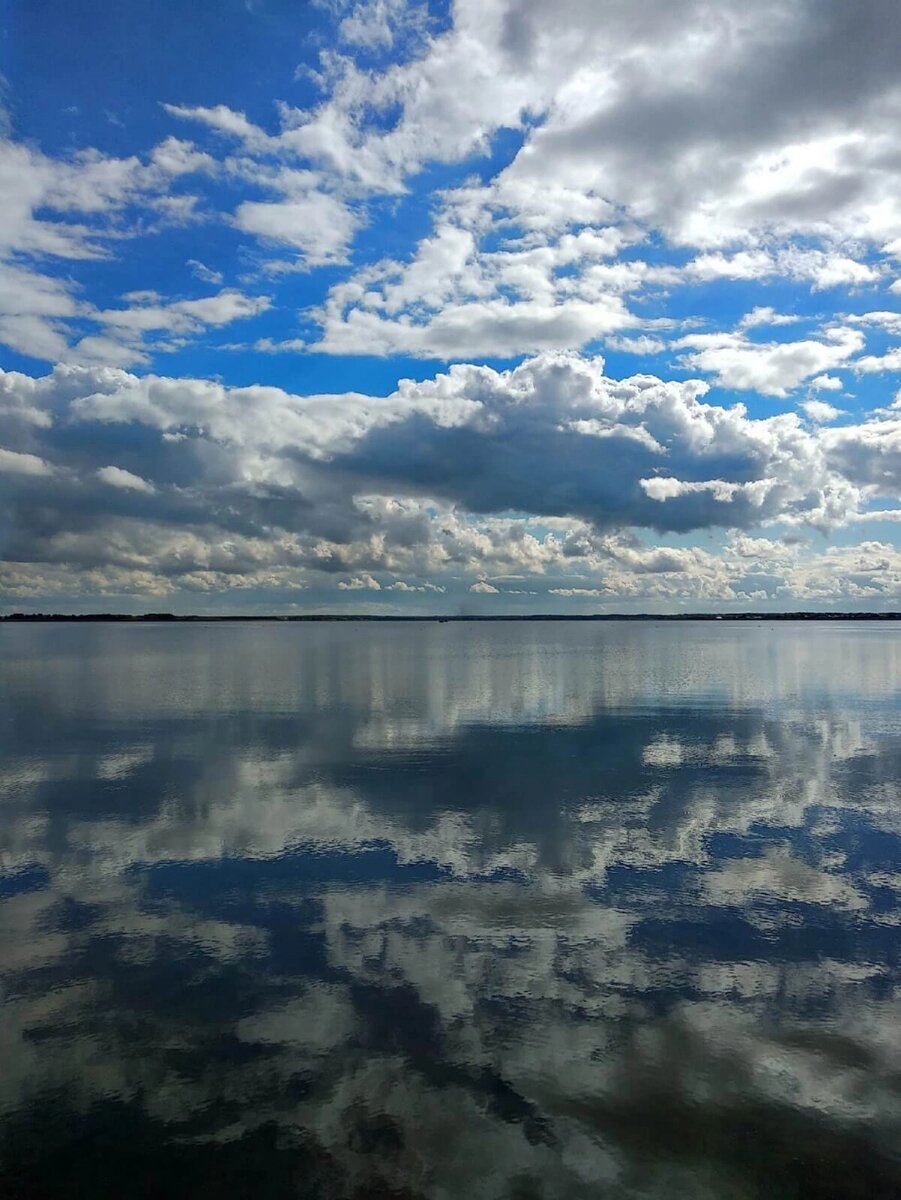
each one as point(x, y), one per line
point(542, 471)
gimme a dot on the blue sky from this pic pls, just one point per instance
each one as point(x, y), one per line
point(488, 307)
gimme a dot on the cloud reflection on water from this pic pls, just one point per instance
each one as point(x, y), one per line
point(447, 910)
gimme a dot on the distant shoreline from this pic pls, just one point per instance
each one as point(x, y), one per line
point(38, 618)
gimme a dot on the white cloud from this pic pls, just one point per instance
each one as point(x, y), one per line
point(571, 593)
point(826, 383)
point(221, 118)
point(37, 308)
point(455, 300)
point(766, 315)
point(12, 462)
point(774, 368)
point(123, 340)
point(360, 583)
point(204, 273)
point(320, 226)
point(184, 316)
point(256, 484)
point(89, 183)
point(268, 346)
point(119, 478)
point(888, 321)
point(375, 24)
point(711, 131)
point(34, 310)
point(871, 364)
point(400, 585)
point(821, 412)
point(484, 588)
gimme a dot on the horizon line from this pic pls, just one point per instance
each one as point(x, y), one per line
point(162, 617)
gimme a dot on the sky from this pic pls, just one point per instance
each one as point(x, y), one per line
point(493, 307)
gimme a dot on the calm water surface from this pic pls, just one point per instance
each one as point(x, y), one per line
point(447, 911)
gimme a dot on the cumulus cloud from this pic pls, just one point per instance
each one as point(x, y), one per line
point(455, 299)
point(360, 583)
point(820, 411)
point(766, 315)
point(774, 368)
point(318, 225)
point(712, 131)
point(401, 585)
point(204, 487)
point(879, 363)
point(826, 383)
point(661, 140)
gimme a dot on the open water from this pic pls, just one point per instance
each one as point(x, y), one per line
point(450, 910)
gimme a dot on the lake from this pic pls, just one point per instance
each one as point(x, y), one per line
point(450, 910)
